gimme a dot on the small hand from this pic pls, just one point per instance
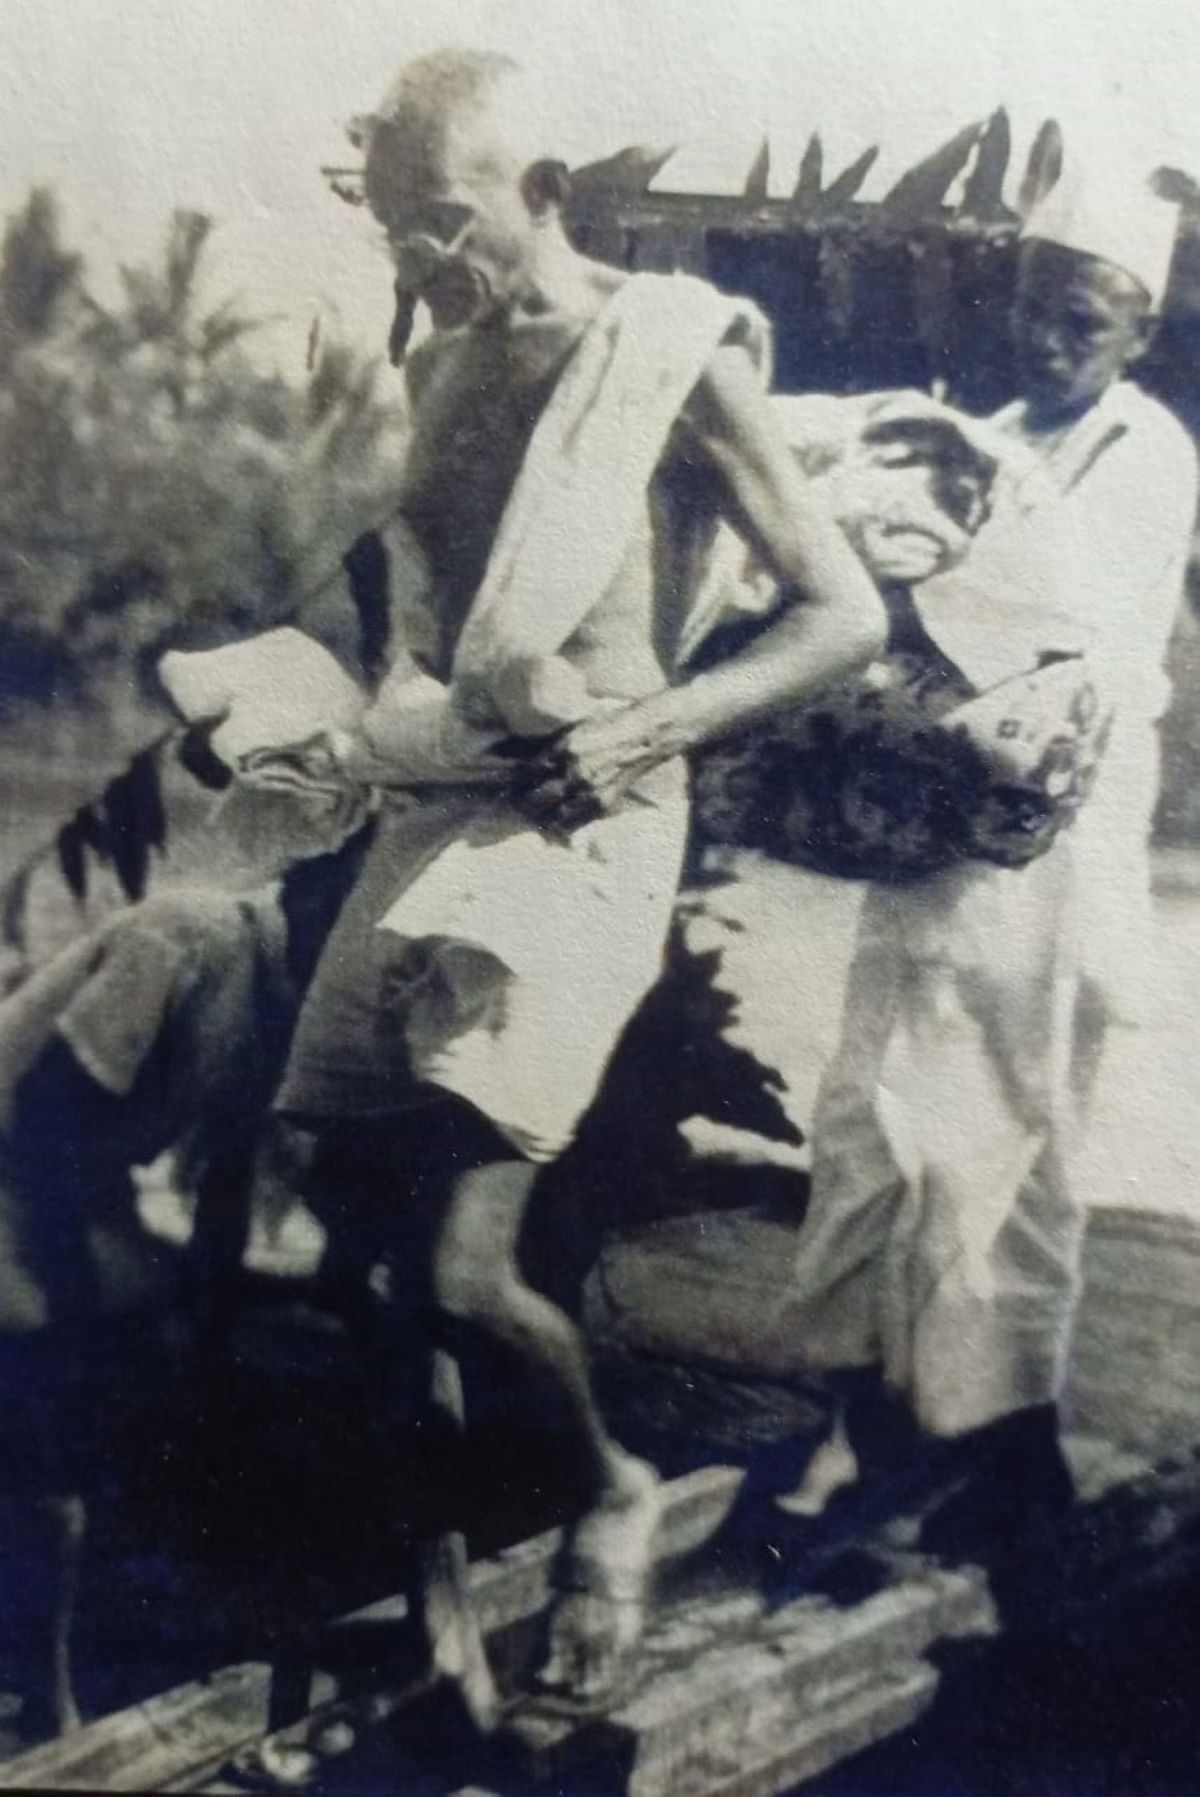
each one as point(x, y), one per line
point(308, 765)
point(310, 769)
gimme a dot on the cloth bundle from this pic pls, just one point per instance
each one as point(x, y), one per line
point(900, 772)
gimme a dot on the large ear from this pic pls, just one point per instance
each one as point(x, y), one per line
point(546, 186)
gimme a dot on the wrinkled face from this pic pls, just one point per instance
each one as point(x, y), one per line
point(1078, 323)
point(910, 501)
point(458, 218)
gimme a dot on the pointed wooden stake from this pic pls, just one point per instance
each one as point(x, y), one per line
point(757, 180)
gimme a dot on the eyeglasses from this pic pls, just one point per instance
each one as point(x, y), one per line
point(433, 221)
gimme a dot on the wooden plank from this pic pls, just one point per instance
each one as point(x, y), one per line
point(842, 1725)
point(836, 1723)
point(730, 1698)
point(717, 1297)
point(163, 1739)
point(140, 1748)
point(720, 1691)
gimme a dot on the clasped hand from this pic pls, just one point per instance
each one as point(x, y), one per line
point(585, 772)
point(561, 783)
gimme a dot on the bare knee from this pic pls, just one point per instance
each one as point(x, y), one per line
point(67, 1516)
point(472, 1286)
point(475, 1274)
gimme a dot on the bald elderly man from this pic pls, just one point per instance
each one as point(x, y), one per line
point(578, 433)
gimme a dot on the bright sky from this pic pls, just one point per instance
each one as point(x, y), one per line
point(129, 107)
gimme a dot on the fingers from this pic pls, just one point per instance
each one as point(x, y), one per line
point(289, 775)
point(314, 753)
point(532, 750)
point(560, 810)
point(557, 796)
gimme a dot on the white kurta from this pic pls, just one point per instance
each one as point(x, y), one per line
point(944, 1231)
point(1088, 552)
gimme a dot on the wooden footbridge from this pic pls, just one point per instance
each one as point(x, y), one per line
point(735, 1695)
point(731, 1696)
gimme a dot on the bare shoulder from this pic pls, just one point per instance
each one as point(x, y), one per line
point(603, 278)
point(729, 410)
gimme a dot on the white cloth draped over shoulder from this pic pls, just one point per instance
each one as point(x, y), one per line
point(945, 1225)
point(581, 491)
point(508, 961)
point(567, 527)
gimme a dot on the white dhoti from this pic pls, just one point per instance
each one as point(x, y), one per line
point(1111, 847)
point(944, 1232)
point(505, 967)
point(945, 1228)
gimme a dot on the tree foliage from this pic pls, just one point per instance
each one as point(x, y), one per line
point(158, 486)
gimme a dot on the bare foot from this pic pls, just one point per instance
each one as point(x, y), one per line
point(832, 1468)
point(456, 1647)
point(599, 1620)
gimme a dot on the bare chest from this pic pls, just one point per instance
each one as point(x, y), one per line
point(470, 437)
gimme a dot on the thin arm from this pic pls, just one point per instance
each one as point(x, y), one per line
point(834, 620)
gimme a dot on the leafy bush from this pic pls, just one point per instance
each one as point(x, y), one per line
point(157, 486)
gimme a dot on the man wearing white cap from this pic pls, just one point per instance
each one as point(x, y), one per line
point(1100, 522)
point(943, 1239)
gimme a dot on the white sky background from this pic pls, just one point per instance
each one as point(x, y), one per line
point(129, 107)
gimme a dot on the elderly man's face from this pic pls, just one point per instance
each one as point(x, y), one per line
point(459, 223)
point(908, 502)
point(1078, 322)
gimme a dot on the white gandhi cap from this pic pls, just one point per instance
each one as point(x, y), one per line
point(1124, 223)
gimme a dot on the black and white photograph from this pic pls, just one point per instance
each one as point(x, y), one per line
point(600, 898)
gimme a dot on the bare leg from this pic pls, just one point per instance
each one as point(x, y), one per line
point(478, 1280)
point(406, 1375)
point(456, 1646)
point(67, 1517)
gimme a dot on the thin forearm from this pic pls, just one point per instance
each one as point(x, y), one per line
point(809, 647)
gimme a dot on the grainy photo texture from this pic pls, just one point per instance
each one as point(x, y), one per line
point(599, 883)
